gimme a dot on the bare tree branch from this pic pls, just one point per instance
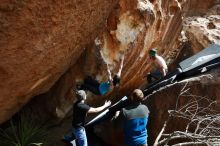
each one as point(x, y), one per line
point(189, 143)
point(161, 132)
point(205, 121)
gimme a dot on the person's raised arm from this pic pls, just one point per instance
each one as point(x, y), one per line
point(109, 73)
point(121, 65)
point(99, 109)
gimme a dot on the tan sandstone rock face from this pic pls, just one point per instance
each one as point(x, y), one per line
point(48, 46)
point(132, 28)
point(203, 30)
point(39, 41)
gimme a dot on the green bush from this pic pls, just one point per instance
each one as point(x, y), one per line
point(25, 131)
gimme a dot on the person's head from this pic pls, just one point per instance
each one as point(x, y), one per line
point(152, 53)
point(116, 80)
point(78, 86)
point(137, 96)
point(81, 95)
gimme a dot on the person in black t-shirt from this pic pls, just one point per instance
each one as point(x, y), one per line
point(80, 110)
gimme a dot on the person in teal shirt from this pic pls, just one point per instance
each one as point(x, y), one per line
point(102, 88)
point(133, 119)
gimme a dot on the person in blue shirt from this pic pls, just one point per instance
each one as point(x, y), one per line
point(133, 119)
point(102, 88)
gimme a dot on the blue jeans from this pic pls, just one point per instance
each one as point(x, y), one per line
point(80, 135)
point(156, 75)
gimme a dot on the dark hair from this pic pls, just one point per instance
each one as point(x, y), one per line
point(80, 95)
point(137, 95)
point(78, 87)
point(116, 80)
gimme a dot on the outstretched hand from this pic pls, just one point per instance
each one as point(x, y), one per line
point(122, 57)
point(107, 103)
point(117, 114)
